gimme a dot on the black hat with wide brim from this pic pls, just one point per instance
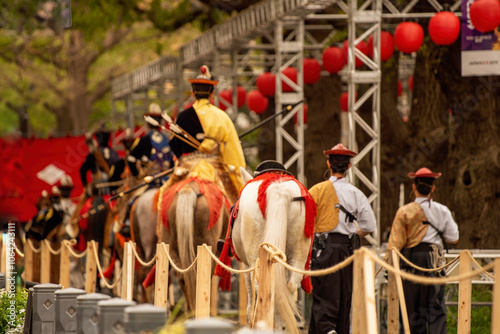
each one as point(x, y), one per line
point(270, 166)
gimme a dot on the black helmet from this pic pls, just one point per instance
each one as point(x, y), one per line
point(270, 166)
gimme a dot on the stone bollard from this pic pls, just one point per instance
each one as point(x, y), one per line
point(208, 326)
point(110, 315)
point(66, 310)
point(145, 317)
point(87, 312)
point(28, 318)
point(44, 310)
point(2, 281)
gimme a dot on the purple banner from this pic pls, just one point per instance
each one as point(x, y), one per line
point(480, 51)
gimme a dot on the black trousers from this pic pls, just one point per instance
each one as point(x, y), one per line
point(332, 294)
point(425, 304)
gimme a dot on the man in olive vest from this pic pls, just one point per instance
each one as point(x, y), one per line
point(420, 230)
point(336, 237)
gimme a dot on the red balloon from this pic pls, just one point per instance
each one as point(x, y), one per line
point(362, 46)
point(257, 102)
point(266, 83)
point(444, 28)
point(333, 59)
point(226, 95)
point(386, 46)
point(400, 88)
point(408, 37)
point(312, 71)
point(296, 119)
point(242, 93)
point(344, 100)
point(410, 82)
point(291, 73)
point(485, 15)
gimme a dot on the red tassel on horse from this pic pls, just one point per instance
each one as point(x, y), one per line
point(225, 275)
point(150, 279)
point(108, 273)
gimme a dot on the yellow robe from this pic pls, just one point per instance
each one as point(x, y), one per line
point(325, 196)
point(219, 128)
point(408, 229)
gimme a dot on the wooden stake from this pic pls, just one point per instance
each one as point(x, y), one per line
point(91, 268)
point(214, 296)
point(161, 276)
point(495, 312)
point(203, 283)
point(128, 271)
point(464, 294)
point(44, 263)
point(265, 300)
point(28, 262)
point(358, 300)
point(392, 299)
point(64, 266)
point(3, 255)
point(402, 302)
point(242, 296)
point(369, 293)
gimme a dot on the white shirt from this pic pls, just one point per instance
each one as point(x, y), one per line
point(355, 202)
point(440, 217)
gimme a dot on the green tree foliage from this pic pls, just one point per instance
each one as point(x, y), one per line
point(59, 76)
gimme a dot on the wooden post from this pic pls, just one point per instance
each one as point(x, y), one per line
point(3, 254)
point(402, 302)
point(128, 272)
point(242, 296)
point(44, 263)
point(214, 296)
point(203, 283)
point(28, 262)
point(464, 294)
point(265, 301)
point(368, 268)
point(91, 268)
point(64, 266)
point(495, 312)
point(358, 300)
point(161, 275)
point(392, 299)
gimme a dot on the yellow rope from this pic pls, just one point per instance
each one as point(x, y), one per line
point(51, 250)
point(425, 269)
point(424, 279)
point(236, 271)
point(479, 266)
point(144, 263)
point(21, 254)
point(182, 271)
point(99, 268)
point(35, 250)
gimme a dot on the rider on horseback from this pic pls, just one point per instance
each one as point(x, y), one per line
point(217, 134)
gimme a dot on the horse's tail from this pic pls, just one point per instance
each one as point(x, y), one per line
point(185, 210)
point(279, 197)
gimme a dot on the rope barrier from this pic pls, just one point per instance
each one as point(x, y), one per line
point(72, 252)
point(479, 266)
point(144, 263)
point(103, 279)
point(182, 271)
point(428, 280)
point(236, 271)
point(33, 248)
point(425, 269)
point(51, 250)
point(21, 254)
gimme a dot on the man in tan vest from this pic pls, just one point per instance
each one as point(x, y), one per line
point(338, 204)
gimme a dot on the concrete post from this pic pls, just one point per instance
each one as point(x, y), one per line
point(145, 317)
point(2, 281)
point(110, 314)
point(86, 309)
point(66, 310)
point(44, 310)
point(208, 326)
point(28, 319)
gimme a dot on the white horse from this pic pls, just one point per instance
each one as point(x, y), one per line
point(284, 226)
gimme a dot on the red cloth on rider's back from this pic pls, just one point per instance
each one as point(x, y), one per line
point(83, 224)
point(214, 196)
